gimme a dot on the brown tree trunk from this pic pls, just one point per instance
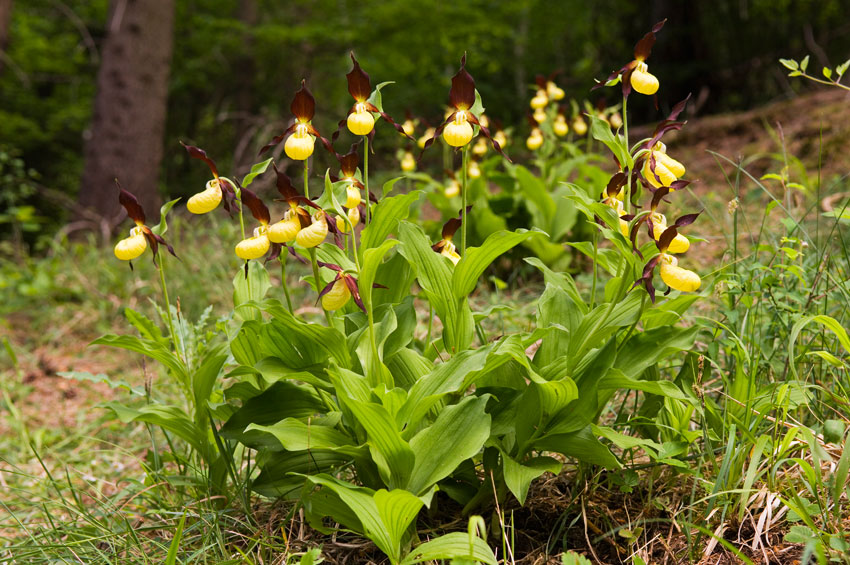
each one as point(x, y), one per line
point(125, 139)
point(5, 21)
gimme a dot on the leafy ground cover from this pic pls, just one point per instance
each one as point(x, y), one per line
point(729, 448)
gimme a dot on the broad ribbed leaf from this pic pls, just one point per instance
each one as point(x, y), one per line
point(391, 453)
point(296, 435)
point(330, 340)
point(455, 545)
point(372, 259)
point(582, 445)
point(251, 288)
point(149, 348)
point(476, 259)
point(616, 379)
point(387, 214)
point(518, 476)
point(397, 509)
point(170, 418)
point(458, 433)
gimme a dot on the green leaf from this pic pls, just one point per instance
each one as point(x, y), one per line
point(283, 399)
point(101, 378)
point(582, 445)
point(295, 435)
point(573, 558)
point(842, 68)
point(256, 170)
point(385, 219)
point(171, 558)
point(372, 260)
point(162, 226)
point(145, 325)
point(250, 288)
point(148, 348)
point(827, 322)
point(203, 381)
point(541, 203)
point(455, 545)
point(397, 509)
point(804, 64)
point(789, 64)
point(278, 477)
point(601, 131)
point(518, 476)
point(170, 418)
point(827, 72)
point(458, 433)
point(329, 340)
point(477, 259)
point(616, 379)
point(394, 457)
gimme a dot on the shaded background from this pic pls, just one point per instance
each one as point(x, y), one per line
point(236, 64)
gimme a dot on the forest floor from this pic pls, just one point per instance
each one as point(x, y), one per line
point(60, 419)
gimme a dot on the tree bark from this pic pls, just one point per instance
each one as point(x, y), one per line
point(5, 21)
point(125, 138)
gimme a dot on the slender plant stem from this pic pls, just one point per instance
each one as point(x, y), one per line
point(628, 199)
point(464, 164)
point(283, 283)
point(594, 235)
point(316, 278)
point(366, 174)
point(187, 391)
point(238, 197)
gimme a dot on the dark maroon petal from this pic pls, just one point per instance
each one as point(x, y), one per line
point(284, 185)
point(657, 197)
point(462, 94)
point(351, 283)
point(358, 82)
point(131, 204)
point(303, 106)
point(617, 182)
point(258, 209)
point(198, 153)
point(666, 237)
point(486, 132)
point(451, 227)
point(679, 184)
point(274, 252)
point(437, 133)
point(540, 80)
point(643, 48)
point(298, 257)
point(331, 266)
point(327, 288)
point(277, 139)
point(386, 117)
point(348, 162)
point(686, 220)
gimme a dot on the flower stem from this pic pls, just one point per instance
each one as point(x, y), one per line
point(316, 279)
point(464, 164)
point(187, 390)
point(283, 283)
point(366, 174)
point(594, 235)
point(628, 199)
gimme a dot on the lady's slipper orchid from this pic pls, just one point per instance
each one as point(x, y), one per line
point(217, 189)
point(361, 116)
point(635, 75)
point(445, 246)
point(301, 134)
point(457, 128)
point(554, 91)
point(296, 218)
point(672, 274)
point(341, 289)
point(408, 162)
point(580, 126)
point(661, 170)
point(258, 245)
point(315, 233)
point(560, 126)
point(141, 235)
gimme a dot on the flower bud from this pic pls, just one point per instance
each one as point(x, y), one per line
point(540, 100)
point(408, 127)
point(131, 247)
point(315, 233)
point(480, 147)
point(560, 126)
point(676, 277)
point(459, 131)
point(580, 126)
point(535, 140)
point(253, 247)
point(352, 195)
point(429, 133)
point(337, 297)
point(361, 121)
point(408, 162)
point(205, 201)
point(554, 91)
point(643, 81)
